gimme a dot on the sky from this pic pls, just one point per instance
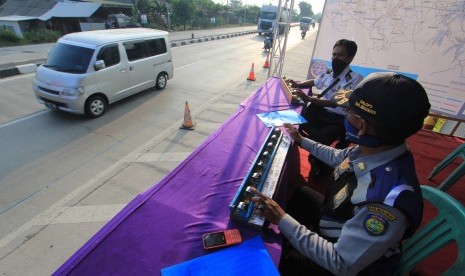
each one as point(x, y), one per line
point(317, 5)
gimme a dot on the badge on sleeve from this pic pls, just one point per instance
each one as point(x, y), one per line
point(375, 225)
point(376, 222)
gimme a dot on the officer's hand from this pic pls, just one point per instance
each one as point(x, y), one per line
point(302, 95)
point(269, 208)
point(293, 132)
point(293, 83)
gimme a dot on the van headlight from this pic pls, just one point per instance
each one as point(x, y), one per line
point(73, 91)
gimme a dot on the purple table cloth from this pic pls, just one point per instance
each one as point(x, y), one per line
point(163, 226)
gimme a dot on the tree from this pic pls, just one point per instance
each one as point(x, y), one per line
point(294, 16)
point(235, 4)
point(248, 13)
point(252, 13)
point(305, 9)
point(198, 13)
point(146, 7)
point(182, 12)
point(203, 11)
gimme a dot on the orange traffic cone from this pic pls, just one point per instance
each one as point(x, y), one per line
point(252, 74)
point(187, 124)
point(267, 62)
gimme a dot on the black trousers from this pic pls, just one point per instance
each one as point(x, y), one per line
point(304, 206)
point(324, 127)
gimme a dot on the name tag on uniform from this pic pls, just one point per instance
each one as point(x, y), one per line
point(343, 167)
point(340, 196)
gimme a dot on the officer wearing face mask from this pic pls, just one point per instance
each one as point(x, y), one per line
point(373, 201)
point(326, 124)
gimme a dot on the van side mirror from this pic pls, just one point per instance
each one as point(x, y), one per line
point(99, 65)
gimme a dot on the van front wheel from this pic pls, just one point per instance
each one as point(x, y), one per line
point(95, 106)
point(161, 81)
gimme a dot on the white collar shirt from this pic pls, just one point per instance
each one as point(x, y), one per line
point(348, 79)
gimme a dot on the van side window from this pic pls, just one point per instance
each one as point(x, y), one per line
point(135, 50)
point(156, 46)
point(110, 55)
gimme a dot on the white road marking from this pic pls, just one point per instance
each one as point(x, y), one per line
point(163, 157)
point(81, 214)
point(222, 106)
point(15, 77)
point(187, 65)
point(210, 125)
point(38, 113)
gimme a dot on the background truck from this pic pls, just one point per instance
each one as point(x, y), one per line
point(268, 18)
point(306, 21)
point(118, 21)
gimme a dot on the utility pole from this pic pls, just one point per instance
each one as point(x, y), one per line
point(245, 12)
point(169, 21)
point(227, 11)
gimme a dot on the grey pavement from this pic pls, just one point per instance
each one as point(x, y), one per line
point(25, 59)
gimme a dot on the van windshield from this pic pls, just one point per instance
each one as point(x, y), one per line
point(69, 58)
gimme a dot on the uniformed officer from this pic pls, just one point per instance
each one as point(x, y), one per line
point(326, 124)
point(373, 201)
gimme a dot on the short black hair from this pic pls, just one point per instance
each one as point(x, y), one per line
point(350, 45)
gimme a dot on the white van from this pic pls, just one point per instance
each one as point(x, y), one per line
point(87, 71)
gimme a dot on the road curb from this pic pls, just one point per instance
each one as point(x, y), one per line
point(18, 70)
point(31, 68)
point(209, 38)
point(9, 72)
point(27, 68)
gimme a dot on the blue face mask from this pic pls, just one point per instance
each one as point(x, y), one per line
point(366, 139)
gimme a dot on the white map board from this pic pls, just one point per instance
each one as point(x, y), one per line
point(422, 39)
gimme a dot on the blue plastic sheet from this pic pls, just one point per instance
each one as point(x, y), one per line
point(248, 258)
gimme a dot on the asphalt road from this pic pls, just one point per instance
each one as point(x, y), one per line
point(19, 55)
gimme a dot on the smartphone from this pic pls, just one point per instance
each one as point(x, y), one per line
point(221, 238)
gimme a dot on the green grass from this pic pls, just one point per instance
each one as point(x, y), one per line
point(9, 39)
point(10, 44)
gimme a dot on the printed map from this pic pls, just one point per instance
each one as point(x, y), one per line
point(421, 39)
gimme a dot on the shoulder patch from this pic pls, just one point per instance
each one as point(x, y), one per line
point(375, 225)
point(381, 212)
